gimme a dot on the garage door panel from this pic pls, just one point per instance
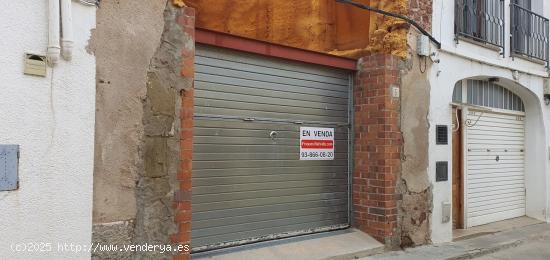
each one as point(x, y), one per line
point(478, 195)
point(503, 160)
point(255, 178)
point(229, 132)
point(494, 178)
point(496, 129)
point(493, 142)
point(502, 134)
point(247, 58)
point(229, 100)
point(480, 220)
point(313, 81)
point(254, 156)
point(236, 85)
point(483, 137)
point(234, 172)
point(237, 210)
point(495, 147)
point(497, 192)
point(495, 186)
point(264, 233)
point(499, 164)
point(255, 125)
point(491, 154)
point(496, 170)
point(264, 148)
point(473, 186)
point(270, 223)
point(248, 217)
point(220, 63)
point(490, 198)
point(214, 97)
point(268, 203)
point(289, 115)
point(507, 121)
point(202, 195)
point(500, 200)
point(227, 140)
point(262, 163)
point(261, 89)
point(491, 209)
point(485, 156)
point(255, 104)
point(248, 181)
point(213, 188)
point(495, 167)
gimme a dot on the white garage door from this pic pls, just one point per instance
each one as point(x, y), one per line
point(495, 177)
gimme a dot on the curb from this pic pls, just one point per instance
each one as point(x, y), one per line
point(477, 252)
point(471, 254)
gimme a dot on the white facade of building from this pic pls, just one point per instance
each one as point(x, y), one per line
point(526, 78)
point(52, 119)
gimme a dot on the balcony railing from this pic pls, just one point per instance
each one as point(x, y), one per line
point(529, 33)
point(480, 20)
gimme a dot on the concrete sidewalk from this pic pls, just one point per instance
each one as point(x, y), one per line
point(470, 248)
point(343, 244)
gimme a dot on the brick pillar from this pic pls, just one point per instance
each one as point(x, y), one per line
point(182, 195)
point(377, 147)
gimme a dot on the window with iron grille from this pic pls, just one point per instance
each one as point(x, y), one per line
point(480, 20)
point(529, 31)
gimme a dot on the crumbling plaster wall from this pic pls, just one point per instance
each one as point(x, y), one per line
point(124, 42)
point(415, 207)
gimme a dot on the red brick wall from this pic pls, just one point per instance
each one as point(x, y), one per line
point(377, 147)
point(182, 196)
point(421, 12)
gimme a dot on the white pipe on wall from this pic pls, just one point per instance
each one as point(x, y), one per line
point(54, 29)
point(67, 25)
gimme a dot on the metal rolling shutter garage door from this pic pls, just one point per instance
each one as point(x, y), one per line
point(495, 181)
point(248, 181)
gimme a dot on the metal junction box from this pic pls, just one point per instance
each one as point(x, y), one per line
point(9, 160)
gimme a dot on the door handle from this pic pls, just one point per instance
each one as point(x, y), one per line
point(498, 158)
point(273, 135)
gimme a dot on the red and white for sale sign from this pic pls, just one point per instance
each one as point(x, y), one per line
point(316, 143)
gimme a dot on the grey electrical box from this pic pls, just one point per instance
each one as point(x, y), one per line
point(9, 160)
point(446, 212)
point(423, 45)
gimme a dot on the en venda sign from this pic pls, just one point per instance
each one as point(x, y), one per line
point(316, 143)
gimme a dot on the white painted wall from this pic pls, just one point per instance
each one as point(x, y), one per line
point(467, 60)
point(52, 119)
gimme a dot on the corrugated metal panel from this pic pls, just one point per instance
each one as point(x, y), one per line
point(495, 180)
point(246, 185)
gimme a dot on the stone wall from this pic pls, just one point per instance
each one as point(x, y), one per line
point(421, 11)
point(141, 76)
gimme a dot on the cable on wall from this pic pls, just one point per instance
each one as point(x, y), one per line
point(386, 13)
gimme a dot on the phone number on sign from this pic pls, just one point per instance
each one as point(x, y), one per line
point(317, 154)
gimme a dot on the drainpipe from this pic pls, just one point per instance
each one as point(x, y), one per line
point(67, 27)
point(53, 35)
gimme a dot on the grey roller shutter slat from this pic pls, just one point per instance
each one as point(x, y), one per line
point(248, 186)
